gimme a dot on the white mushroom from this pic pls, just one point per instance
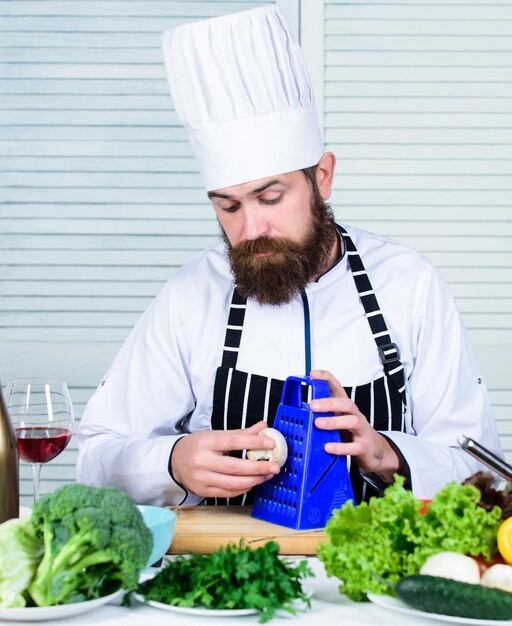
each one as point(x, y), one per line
point(452, 565)
point(499, 575)
point(279, 453)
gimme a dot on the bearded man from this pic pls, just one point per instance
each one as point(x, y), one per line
point(286, 292)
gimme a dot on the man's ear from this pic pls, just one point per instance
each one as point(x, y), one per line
point(325, 174)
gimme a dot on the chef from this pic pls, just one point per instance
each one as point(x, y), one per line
point(287, 291)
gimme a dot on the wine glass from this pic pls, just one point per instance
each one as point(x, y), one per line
point(42, 415)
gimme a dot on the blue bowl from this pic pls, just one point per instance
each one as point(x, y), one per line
point(162, 524)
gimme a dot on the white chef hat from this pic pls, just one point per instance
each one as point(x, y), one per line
point(242, 91)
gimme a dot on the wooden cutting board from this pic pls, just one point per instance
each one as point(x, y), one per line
point(203, 529)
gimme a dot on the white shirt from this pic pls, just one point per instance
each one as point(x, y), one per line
point(165, 370)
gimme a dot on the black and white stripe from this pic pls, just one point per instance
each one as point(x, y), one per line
point(388, 351)
point(241, 399)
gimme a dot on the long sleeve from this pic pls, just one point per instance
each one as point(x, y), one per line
point(446, 393)
point(134, 419)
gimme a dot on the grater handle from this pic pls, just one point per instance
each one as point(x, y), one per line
point(319, 389)
point(292, 392)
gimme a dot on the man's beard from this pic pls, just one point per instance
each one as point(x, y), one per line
point(278, 278)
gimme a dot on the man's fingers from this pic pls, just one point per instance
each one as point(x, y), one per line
point(255, 428)
point(241, 440)
point(335, 387)
point(333, 405)
point(344, 422)
point(224, 486)
point(233, 466)
point(354, 448)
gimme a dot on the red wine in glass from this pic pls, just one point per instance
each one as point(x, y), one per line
point(40, 444)
point(42, 415)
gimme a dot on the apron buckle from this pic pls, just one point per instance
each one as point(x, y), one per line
point(389, 353)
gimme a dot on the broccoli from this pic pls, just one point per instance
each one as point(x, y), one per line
point(95, 542)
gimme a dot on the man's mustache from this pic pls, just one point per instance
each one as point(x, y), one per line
point(263, 244)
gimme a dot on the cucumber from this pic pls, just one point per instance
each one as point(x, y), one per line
point(434, 594)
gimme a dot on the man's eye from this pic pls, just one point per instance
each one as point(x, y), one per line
point(232, 208)
point(271, 201)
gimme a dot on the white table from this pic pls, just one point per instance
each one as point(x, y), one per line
point(328, 608)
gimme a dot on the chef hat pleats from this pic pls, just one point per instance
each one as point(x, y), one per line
point(241, 89)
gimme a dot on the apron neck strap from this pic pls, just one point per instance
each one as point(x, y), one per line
point(388, 351)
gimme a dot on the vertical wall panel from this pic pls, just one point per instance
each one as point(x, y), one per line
point(417, 100)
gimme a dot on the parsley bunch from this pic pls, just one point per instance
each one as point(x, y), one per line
point(233, 577)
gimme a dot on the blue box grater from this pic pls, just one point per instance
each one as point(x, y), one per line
point(312, 483)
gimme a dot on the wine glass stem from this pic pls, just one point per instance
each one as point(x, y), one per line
point(36, 474)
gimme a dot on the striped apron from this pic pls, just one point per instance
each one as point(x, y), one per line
point(240, 399)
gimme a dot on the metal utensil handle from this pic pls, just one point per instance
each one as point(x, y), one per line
point(487, 457)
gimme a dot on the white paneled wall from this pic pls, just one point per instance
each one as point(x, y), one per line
point(100, 200)
point(417, 102)
point(100, 197)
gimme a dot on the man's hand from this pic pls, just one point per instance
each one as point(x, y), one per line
point(200, 462)
point(370, 449)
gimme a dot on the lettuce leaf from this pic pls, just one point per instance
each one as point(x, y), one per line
point(20, 554)
point(455, 522)
point(372, 546)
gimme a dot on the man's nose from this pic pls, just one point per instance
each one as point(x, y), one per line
point(254, 225)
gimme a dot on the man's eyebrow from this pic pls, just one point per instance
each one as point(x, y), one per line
point(265, 186)
point(214, 194)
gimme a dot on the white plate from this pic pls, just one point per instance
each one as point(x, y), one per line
point(41, 613)
point(202, 611)
point(198, 610)
point(394, 604)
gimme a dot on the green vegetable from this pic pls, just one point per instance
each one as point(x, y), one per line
point(452, 597)
point(95, 542)
point(234, 577)
point(370, 539)
point(390, 539)
point(20, 553)
point(455, 522)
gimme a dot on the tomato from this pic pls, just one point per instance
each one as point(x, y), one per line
point(504, 539)
point(423, 509)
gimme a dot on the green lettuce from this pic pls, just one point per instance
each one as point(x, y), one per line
point(454, 522)
point(20, 554)
point(372, 546)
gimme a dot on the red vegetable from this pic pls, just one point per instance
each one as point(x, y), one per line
point(423, 509)
point(483, 564)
